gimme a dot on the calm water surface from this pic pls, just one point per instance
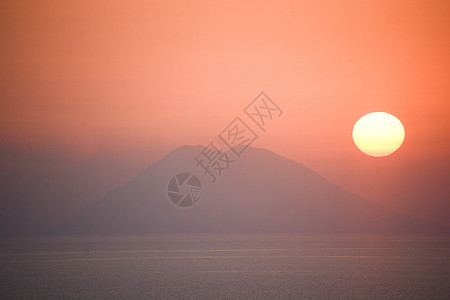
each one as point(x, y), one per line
point(226, 267)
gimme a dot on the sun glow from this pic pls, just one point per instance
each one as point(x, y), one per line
point(378, 134)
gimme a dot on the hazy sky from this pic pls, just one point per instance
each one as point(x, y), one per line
point(91, 92)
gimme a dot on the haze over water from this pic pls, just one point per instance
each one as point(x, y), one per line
point(226, 266)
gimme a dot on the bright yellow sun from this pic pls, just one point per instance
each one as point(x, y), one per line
point(378, 134)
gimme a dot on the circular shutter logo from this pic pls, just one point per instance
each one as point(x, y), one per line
point(184, 190)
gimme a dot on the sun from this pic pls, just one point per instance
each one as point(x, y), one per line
point(378, 134)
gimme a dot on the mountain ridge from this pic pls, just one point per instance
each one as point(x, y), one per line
point(262, 192)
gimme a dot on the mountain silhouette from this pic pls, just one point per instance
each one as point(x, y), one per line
point(262, 192)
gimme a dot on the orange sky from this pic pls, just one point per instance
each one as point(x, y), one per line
point(139, 78)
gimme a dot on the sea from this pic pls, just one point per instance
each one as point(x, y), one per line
point(226, 266)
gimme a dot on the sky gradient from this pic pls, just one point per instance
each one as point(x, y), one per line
point(92, 92)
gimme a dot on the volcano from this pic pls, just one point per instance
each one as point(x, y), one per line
point(261, 192)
